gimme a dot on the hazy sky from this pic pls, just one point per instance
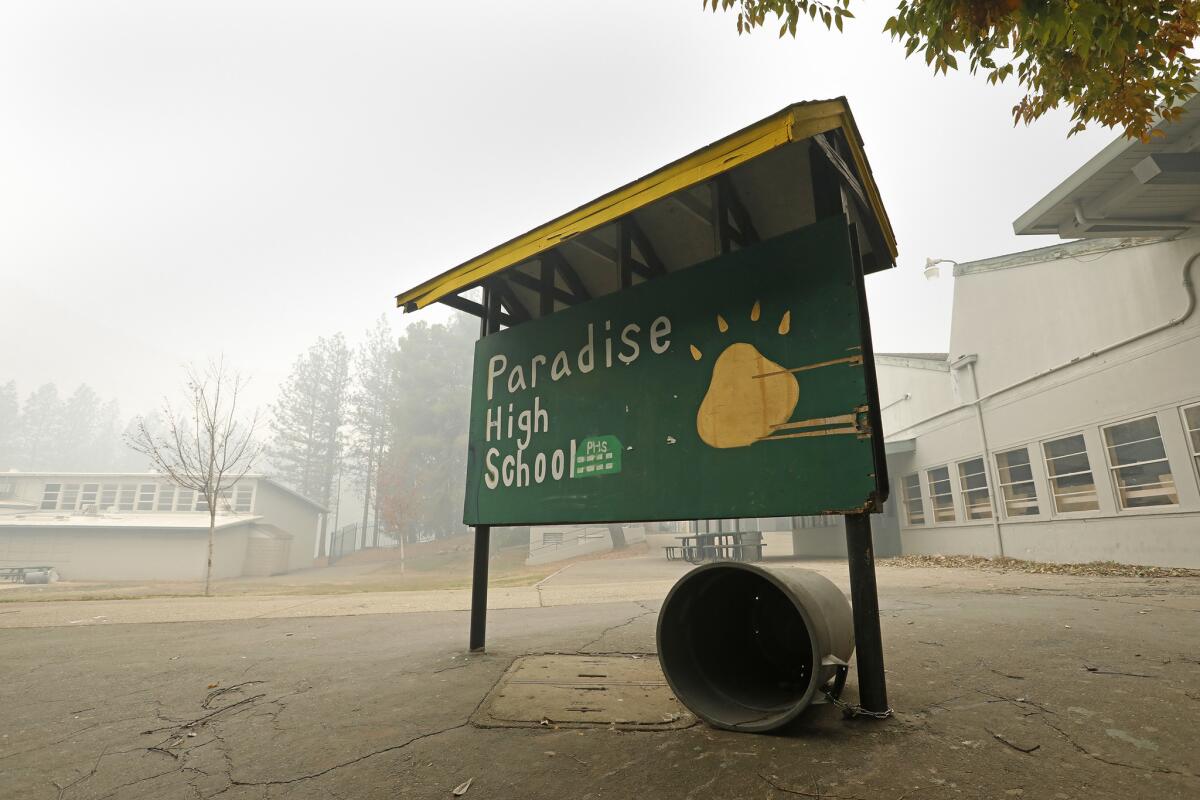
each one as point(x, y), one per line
point(180, 178)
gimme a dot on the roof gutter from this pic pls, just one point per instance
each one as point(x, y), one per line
point(1143, 225)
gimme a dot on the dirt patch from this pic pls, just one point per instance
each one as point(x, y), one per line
point(1100, 569)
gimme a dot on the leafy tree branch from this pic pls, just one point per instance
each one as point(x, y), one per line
point(1119, 63)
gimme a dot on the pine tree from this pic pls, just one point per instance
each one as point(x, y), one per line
point(105, 454)
point(9, 418)
point(370, 418)
point(422, 481)
point(40, 432)
point(76, 436)
point(308, 421)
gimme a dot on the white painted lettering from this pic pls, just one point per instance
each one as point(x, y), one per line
point(628, 341)
point(496, 365)
point(659, 329)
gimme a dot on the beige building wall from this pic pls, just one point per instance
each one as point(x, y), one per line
point(102, 554)
point(1023, 319)
point(912, 389)
point(286, 511)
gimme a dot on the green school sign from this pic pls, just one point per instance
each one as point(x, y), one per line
point(733, 388)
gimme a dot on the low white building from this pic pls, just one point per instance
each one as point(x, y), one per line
point(550, 543)
point(1064, 423)
point(123, 527)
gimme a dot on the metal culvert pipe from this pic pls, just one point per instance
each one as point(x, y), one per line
point(747, 647)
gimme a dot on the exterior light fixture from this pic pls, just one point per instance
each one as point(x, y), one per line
point(932, 272)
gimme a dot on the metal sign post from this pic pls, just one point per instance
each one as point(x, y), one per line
point(488, 324)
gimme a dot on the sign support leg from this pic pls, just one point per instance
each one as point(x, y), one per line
point(864, 598)
point(479, 586)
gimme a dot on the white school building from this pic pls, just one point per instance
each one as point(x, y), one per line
point(1064, 422)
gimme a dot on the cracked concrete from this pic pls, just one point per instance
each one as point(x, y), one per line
point(988, 674)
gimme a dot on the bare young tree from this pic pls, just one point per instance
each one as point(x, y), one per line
point(205, 448)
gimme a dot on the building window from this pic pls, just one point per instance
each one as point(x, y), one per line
point(1191, 421)
point(1016, 483)
point(146, 494)
point(125, 499)
point(973, 485)
point(941, 494)
point(70, 496)
point(1139, 464)
point(166, 497)
point(243, 501)
point(50, 496)
point(202, 502)
point(87, 495)
point(108, 496)
point(914, 509)
point(1070, 474)
point(185, 500)
point(552, 537)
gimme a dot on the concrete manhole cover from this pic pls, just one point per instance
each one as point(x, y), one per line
point(626, 691)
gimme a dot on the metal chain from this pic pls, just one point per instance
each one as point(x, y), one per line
point(833, 693)
point(852, 711)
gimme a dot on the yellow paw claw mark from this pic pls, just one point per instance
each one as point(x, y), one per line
point(749, 395)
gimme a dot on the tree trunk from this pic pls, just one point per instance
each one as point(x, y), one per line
point(212, 529)
point(618, 536)
point(367, 497)
point(321, 546)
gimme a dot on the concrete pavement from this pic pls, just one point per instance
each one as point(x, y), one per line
point(1004, 686)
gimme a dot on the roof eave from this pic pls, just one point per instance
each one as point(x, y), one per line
point(794, 123)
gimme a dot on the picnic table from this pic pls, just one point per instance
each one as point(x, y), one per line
point(724, 546)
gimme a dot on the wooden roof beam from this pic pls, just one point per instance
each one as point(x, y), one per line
point(460, 303)
point(539, 285)
point(569, 275)
point(510, 301)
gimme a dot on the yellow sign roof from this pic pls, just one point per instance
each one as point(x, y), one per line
point(794, 123)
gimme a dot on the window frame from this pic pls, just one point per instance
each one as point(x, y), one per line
point(906, 501)
point(107, 499)
point(933, 504)
point(1193, 450)
point(50, 497)
point(147, 495)
point(963, 491)
point(70, 490)
point(127, 498)
point(1038, 498)
point(1052, 495)
point(245, 490)
point(164, 497)
point(1120, 507)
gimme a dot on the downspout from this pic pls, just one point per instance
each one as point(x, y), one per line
point(993, 486)
point(1189, 289)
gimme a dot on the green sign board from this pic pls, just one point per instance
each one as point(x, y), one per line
point(734, 388)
